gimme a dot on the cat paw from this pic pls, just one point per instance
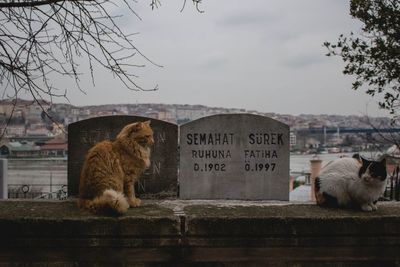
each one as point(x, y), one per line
point(373, 206)
point(366, 207)
point(134, 202)
point(147, 163)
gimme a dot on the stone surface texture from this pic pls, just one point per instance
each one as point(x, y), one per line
point(199, 233)
point(234, 156)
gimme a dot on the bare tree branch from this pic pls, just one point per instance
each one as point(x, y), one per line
point(44, 42)
point(24, 3)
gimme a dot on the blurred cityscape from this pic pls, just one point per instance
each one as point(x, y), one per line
point(39, 129)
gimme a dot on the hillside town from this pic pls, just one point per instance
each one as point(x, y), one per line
point(39, 128)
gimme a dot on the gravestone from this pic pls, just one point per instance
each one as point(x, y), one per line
point(159, 181)
point(234, 156)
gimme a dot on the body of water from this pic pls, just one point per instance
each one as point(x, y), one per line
point(41, 175)
point(301, 163)
point(45, 175)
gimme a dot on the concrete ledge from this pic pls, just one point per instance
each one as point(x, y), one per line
point(200, 233)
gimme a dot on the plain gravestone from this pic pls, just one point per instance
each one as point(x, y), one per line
point(159, 181)
point(234, 156)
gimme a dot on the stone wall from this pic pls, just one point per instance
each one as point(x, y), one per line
point(198, 233)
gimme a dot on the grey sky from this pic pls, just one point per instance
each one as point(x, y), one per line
point(264, 55)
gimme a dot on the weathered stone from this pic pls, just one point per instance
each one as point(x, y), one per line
point(3, 179)
point(198, 233)
point(160, 180)
point(238, 156)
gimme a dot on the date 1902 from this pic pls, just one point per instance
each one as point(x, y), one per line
point(209, 167)
point(258, 167)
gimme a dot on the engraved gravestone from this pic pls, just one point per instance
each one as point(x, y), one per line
point(239, 156)
point(160, 180)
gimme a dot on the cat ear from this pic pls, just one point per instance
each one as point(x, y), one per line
point(147, 122)
point(365, 162)
point(127, 130)
point(136, 127)
point(382, 158)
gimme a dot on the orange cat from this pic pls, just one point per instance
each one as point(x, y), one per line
point(111, 169)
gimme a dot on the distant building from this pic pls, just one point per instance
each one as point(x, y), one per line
point(122, 109)
point(37, 130)
point(4, 151)
point(166, 115)
point(190, 113)
point(6, 108)
point(23, 150)
point(292, 139)
point(312, 143)
point(34, 114)
point(153, 115)
point(58, 129)
point(34, 111)
point(14, 130)
point(56, 147)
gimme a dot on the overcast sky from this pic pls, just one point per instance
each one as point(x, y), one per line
point(264, 55)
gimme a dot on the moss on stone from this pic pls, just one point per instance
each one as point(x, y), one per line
point(12, 209)
point(179, 232)
point(290, 211)
point(56, 210)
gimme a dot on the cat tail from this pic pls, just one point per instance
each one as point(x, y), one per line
point(110, 202)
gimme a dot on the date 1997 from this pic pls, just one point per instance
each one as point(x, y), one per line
point(209, 167)
point(258, 167)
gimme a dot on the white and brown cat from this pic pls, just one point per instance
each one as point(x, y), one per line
point(111, 169)
point(351, 182)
